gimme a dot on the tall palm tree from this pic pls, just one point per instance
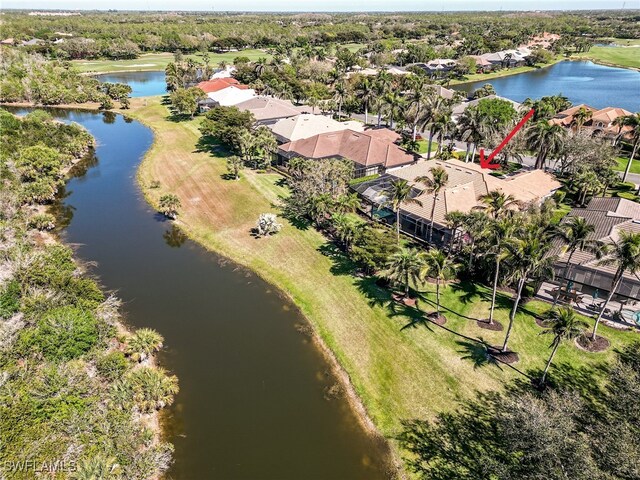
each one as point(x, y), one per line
point(632, 121)
point(404, 267)
point(417, 97)
point(563, 324)
point(581, 116)
point(400, 193)
point(624, 254)
point(529, 259)
point(347, 203)
point(500, 234)
point(434, 185)
point(347, 228)
point(497, 203)
point(455, 220)
point(438, 265)
point(433, 107)
point(382, 86)
point(471, 126)
point(340, 95)
point(393, 104)
point(366, 93)
point(266, 142)
point(443, 125)
point(575, 233)
point(547, 138)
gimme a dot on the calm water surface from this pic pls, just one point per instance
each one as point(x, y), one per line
point(252, 388)
point(582, 82)
point(143, 84)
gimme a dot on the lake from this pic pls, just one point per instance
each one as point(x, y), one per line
point(143, 84)
point(582, 82)
point(254, 398)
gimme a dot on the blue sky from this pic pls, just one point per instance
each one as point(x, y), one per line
point(320, 5)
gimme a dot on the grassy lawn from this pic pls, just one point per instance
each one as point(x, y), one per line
point(424, 147)
point(622, 165)
point(400, 366)
point(158, 61)
point(628, 56)
point(505, 72)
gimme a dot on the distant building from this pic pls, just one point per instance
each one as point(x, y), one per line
point(308, 125)
point(224, 92)
point(599, 121)
point(372, 151)
point(268, 110)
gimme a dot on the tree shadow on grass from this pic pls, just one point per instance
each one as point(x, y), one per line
point(212, 146)
point(423, 297)
point(341, 263)
point(478, 354)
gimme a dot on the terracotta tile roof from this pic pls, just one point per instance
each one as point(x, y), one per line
point(372, 147)
point(609, 114)
point(211, 86)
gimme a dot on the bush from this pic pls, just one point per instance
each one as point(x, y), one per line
point(42, 221)
point(10, 299)
point(112, 365)
point(62, 334)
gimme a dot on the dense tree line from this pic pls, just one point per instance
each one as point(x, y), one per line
point(125, 35)
point(77, 387)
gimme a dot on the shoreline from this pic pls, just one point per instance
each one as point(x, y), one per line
point(507, 73)
point(350, 394)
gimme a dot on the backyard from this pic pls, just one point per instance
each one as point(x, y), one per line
point(400, 365)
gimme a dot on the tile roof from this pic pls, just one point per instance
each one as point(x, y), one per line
point(369, 148)
point(231, 95)
point(308, 125)
point(269, 108)
point(211, 86)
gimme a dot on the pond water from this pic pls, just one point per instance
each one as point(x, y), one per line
point(143, 84)
point(582, 82)
point(253, 400)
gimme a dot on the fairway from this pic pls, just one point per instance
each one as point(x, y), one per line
point(616, 56)
point(158, 61)
point(401, 366)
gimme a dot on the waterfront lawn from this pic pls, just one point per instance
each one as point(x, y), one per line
point(401, 367)
point(616, 56)
point(158, 61)
point(505, 72)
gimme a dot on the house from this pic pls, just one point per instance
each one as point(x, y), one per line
point(308, 125)
point(232, 95)
point(268, 110)
point(459, 109)
point(225, 72)
point(211, 86)
point(482, 63)
point(372, 151)
point(507, 58)
point(437, 66)
point(467, 183)
point(599, 122)
point(445, 93)
point(609, 216)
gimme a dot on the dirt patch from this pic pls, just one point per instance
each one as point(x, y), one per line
point(437, 319)
point(508, 356)
point(408, 301)
point(496, 326)
point(541, 322)
point(587, 343)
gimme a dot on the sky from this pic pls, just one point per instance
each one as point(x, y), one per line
point(320, 5)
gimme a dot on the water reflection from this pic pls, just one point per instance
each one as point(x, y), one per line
point(174, 237)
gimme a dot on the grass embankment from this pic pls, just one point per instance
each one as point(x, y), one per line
point(400, 369)
point(622, 165)
point(505, 72)
point(627, 56)
point(158, 61)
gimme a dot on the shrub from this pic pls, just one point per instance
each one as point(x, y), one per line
point(112, 365)
point(152, 388)
point(62, 334)
point(10, 299)
point(42, 221)
point(267, 224)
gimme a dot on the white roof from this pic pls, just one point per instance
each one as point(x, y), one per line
point(308, 125)
point(224, 72)
point(231, 95)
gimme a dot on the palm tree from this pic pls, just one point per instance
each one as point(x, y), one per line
point(632, 121)
point(347, 228)
point(382, 85)
point(547, 138)
point(404, 267)
point(366, 93)
point(455, 220)
point(152, 387)
point(438, 265)
point(438, 180)
point(400, 192)
point(144, 342)
point(471, 127)
point(347, 203)
point(433, 107)
point(168, 205)
point(234, 165)
point(496, 203)
point(393, 104)
point(529, 259)
point(340, 95)
point(587, 182)
point(575, 233)
point(266, 142)
point(442, 126)
point(624, 254)
point(563, 324)
point(581, 116)
point(417, 97)
point(500, 235)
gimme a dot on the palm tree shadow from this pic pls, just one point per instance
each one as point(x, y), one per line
point(423, 297)
point(341, 263)
point(477, 353)
point(376, 295)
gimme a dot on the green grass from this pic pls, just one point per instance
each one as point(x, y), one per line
point(424, 147)
point(400, 366)
point(622, 165)
point(505, 72)
point(158, 61)
point(616, 56)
